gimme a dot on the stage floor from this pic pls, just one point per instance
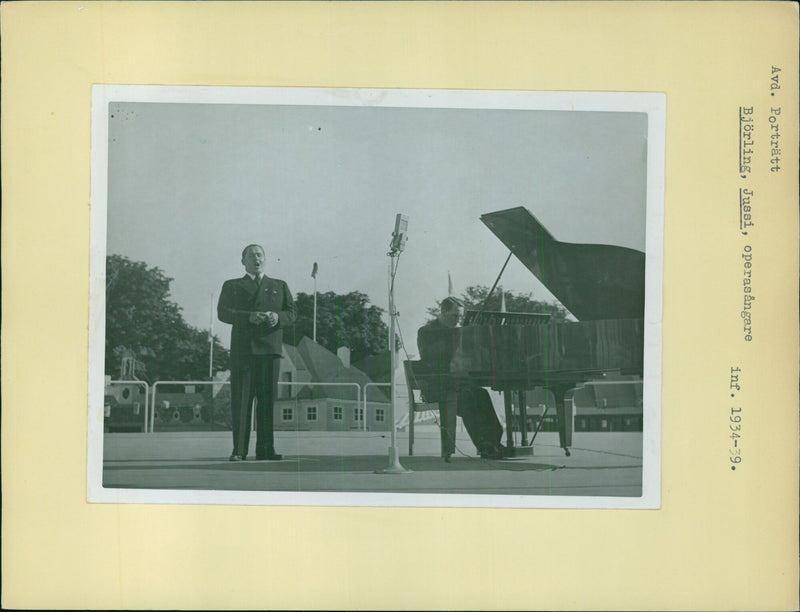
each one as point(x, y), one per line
point(601, 464)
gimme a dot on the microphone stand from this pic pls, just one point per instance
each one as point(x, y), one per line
point(394, 466)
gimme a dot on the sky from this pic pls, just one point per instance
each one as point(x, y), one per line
point(189, 185)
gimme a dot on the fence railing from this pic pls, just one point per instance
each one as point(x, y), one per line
point(151, 393)
point(222, 383)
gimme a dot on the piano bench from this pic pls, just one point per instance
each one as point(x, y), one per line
point(418, 405)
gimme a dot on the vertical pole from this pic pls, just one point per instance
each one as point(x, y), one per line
point(523, 417)
point(315, 309)
point(211, 339)
point(564, 411)
point(153, 408)
point(394, 457)
point(509, 418)
point(146, 406)
point(391, 354)
point(365, 405)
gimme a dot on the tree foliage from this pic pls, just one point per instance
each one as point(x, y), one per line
point(142, 322)
point(342, 320)
point(474, 296)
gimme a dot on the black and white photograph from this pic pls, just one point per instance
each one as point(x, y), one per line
point(307, 296)
point(400, 305)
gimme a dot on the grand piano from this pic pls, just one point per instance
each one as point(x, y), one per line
point(601, 285)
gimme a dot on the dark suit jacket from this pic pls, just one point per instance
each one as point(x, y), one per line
point(241, 296)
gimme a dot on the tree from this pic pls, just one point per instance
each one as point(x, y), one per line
point(143, 324)
point(474, 296)
point(342, 320)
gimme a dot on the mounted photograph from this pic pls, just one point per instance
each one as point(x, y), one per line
point(362, 297)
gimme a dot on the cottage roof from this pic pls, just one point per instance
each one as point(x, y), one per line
point(326, 366)
point(376, 366)
point(292, 354)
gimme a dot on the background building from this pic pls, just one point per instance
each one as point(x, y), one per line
point(318, 391)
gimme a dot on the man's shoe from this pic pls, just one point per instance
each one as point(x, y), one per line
point(447, 456)
point(235, 458)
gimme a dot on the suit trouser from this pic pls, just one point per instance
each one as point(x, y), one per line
point(475, 408)
point(253, 377)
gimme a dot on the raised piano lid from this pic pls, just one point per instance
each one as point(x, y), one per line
point(592, 281)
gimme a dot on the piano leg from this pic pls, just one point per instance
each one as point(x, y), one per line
point(564, 413)
point(518, 451)
point(509, 421)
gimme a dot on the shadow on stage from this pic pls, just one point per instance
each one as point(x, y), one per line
point(347, 464)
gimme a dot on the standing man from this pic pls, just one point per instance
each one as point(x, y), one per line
point(259, 308)
point(456, 395)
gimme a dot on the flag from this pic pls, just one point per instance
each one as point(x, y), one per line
point(449, 284)
point(314, 270)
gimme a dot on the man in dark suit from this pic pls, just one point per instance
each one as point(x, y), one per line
point(259, 308)
point(456, 395)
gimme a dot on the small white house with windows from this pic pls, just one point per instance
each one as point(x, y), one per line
point(320, 392)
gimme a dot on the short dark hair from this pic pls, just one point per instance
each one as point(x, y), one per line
point(451, 303)
point(244, 250)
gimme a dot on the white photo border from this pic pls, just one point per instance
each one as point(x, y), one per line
point(653, 104)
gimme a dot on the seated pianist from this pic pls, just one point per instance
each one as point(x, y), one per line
point(471, 402)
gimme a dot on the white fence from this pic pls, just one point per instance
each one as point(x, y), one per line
point(366, 387)
point(150, 393)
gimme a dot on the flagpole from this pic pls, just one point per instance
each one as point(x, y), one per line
point(314, 276)
point(211, 339)
point(315, 309)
